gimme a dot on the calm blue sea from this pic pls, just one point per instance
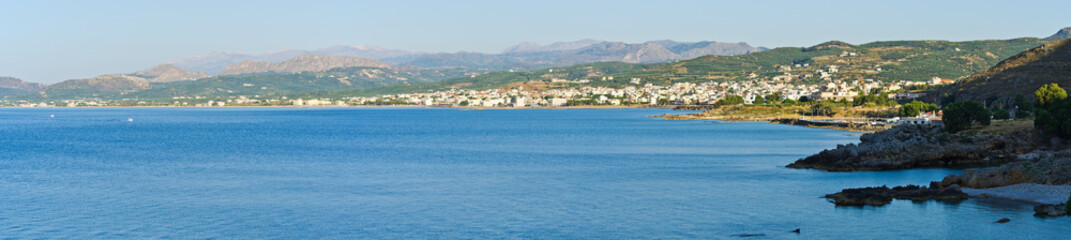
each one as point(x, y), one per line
point(415, 173)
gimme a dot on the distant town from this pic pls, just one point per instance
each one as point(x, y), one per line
point(638, 93)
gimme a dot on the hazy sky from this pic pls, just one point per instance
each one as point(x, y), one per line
point(50, 41)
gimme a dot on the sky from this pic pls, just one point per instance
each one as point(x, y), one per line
point(50, 41)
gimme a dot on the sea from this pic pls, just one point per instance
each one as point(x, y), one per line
point(440, 173)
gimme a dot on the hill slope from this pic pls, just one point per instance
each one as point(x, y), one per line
point(1020, 74)
point(102, 85)
point(18, 84)
point(1060, 35)
point(303, 63)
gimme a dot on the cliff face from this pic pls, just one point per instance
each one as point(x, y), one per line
point(919, 146)
point(170, 73)
point(303, 63)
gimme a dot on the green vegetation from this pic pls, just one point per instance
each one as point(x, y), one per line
point(960, 116)
point(873, 100)
point(1022, 73)
point(730, 100)
point(916, 107)
point(1048, 94)
point(1053, 110)
point(1001, 114)
point(824, 108)
point(774, 98)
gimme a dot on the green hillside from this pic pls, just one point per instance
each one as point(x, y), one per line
point(1021, 74)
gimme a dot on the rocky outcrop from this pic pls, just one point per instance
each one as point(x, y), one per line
point(1041, 167)
point(303, 63)
point(170, 73)
point(1050, 210)
point(879, 196)
point(923, 146)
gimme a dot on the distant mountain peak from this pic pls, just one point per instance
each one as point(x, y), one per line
point(170, 73)
point(527, 46)
point(1064, 33)
point(301, 63)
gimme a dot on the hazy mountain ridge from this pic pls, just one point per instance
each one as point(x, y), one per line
point(169, 73)
point(558, 46)
point(16, 83)
point(1020, 74)
point(523, 56)
point(303, 63)
point(1064, 33)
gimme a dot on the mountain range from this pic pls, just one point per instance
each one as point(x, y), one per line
point(523, 56)
point(342, 70)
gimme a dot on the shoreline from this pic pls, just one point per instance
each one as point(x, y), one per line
point(1032, 193)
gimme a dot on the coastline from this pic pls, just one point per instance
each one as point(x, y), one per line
point(1031, 193)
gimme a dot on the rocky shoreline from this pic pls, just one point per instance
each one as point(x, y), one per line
point(879, 196)
point(922, 146)
point(1022, 165)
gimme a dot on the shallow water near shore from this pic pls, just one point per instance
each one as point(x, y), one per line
point(385, 173)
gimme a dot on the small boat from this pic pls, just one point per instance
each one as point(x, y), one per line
point(129, 119)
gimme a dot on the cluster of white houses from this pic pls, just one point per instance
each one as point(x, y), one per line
point(677, 94)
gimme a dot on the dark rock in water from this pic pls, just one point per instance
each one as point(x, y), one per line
point(747, 235)
point(1003, 220)
point(1046, 210)
point(879, 196)
point(922, 146)
point(796, 231)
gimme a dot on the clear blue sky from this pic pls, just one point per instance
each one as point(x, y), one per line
point(50, 41)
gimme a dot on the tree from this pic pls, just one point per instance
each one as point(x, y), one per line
point(1001, 114)
point(1055, 118)
point(759, 100)
point(960, 116)
point(1023, 107)
point(774, 98)
point(1048, 94)
point(824, 108)
point(663, 101)
point(730, 100)
point(789, 102)
point(914, 108)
